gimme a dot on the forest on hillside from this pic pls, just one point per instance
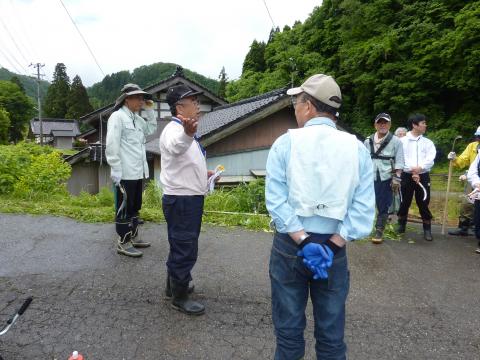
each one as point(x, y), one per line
point(395, 56)
point(29, 83)
point(106, 91)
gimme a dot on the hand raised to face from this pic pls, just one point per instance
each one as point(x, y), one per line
point(189, 125)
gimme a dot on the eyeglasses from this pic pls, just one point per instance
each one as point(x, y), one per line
point(295, 100)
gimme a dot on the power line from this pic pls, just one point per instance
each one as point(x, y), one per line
point(13, 40)
point(12, 64)
point(25, 39)
point(270, 15)
point(85, 41)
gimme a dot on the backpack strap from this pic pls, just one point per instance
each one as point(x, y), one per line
point(376, 154)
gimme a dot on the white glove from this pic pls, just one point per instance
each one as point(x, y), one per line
point(116, 177)
point(451, 155)
point(462, 177)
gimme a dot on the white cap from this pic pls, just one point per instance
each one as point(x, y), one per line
point(477, 133)
point(321, 87)
point(75, 355)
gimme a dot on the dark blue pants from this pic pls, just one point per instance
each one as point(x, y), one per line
point(476, 220)
point(383, 199)
point(409, 189)
point(184, 220)
point(292, 283)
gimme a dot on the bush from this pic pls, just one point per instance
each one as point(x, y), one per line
point(47, 174)
point(15, 160)
point(247, 198)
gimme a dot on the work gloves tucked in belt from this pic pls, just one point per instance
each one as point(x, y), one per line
point(396, 183)
point(318, 257)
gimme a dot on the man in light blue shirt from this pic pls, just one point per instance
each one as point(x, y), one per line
point(320, 195)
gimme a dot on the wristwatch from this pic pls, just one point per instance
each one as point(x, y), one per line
point(303, 237)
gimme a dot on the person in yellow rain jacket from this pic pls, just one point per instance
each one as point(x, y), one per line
point(464, 160)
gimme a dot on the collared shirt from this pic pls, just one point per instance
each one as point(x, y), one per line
point(418, 151)
point(361, 204)
point(183, 163)
point(125, 144)
point(382, 169)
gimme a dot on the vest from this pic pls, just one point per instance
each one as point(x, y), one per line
point(322, 172)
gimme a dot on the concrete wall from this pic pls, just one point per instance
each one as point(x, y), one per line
point(84, 178)
point(63, 142)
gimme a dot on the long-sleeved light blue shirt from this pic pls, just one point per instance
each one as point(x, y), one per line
point(358, 221)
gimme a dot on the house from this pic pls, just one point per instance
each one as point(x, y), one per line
point(240, 135)
point(97, 166)
point(60, 133)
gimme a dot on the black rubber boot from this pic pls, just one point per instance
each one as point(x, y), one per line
point(379, 228)
point(168, 289)
point(401, 226)
point(136, 242)
point(181, 302)
point(427, 231)
point(462, 229)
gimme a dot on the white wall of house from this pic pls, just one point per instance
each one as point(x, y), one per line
point(63, 142)
point(240, 164)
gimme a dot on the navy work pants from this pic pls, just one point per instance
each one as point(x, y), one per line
point(183, 214)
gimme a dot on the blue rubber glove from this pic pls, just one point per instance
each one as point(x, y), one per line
point(318, 258)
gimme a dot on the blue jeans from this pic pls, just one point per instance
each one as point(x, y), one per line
point(291, 283)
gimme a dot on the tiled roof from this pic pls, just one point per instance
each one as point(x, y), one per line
point(49, 125)
point(226, 115)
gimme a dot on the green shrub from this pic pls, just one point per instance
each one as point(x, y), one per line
point(247, 198)
point(46, 174)
point(15, 160)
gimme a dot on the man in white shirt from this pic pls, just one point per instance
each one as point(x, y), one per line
point(125, 152)
point(419, 154)
point(184, 183)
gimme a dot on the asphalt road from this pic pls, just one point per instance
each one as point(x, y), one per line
point(409, 299)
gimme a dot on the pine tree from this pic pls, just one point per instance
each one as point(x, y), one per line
point(78, 102)
point(222, 84)
point(255, 58)
point(57, 95)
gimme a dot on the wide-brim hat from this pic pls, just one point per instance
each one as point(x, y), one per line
point(129, 90)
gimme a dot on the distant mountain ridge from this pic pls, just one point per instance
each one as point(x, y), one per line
point(29, 83)
point(106, 91)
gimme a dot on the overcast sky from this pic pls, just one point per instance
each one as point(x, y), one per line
point(202, 36)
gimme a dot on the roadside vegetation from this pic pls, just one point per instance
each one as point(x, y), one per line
point(33, 181)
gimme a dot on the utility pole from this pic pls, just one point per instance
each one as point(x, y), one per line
point(38, 66)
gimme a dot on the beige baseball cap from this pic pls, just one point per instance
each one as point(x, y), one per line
point(323, 88)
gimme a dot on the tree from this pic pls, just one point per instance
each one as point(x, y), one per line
point(255, 60)
point(19, 107)
point(78, 103)
point(57, 95)
point(4, 126)
point(17, 81)
point(222, 85)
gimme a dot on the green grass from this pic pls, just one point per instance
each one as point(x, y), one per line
point(99, 208)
